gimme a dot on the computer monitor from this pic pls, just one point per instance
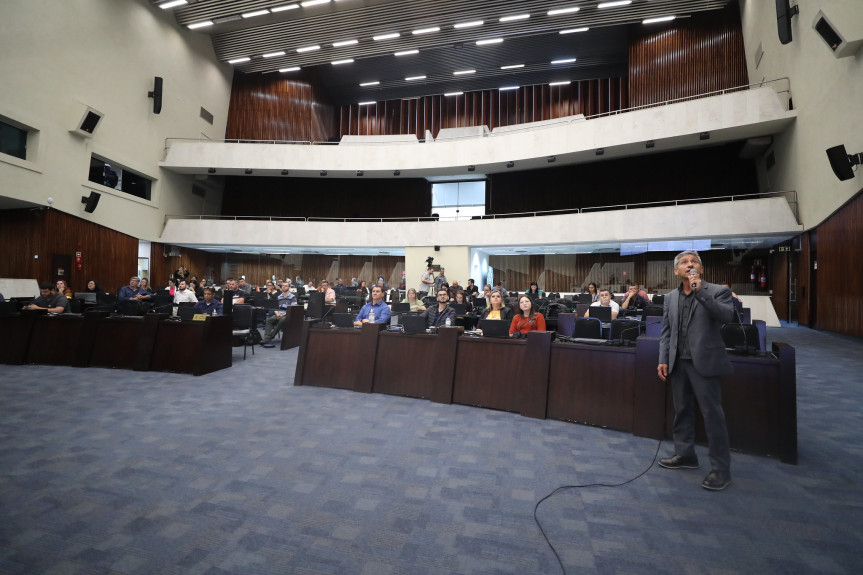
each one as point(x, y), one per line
point(86, 296)
point(401, 307)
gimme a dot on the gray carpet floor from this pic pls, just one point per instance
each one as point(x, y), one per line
point(120, 472)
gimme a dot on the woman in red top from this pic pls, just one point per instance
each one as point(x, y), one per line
point(527, 319)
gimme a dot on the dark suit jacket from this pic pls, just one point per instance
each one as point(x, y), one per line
point(712, 308)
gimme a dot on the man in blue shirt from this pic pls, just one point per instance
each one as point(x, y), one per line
point(377, 305)
point(132, 292)
point(275, 322)
point(209, 305)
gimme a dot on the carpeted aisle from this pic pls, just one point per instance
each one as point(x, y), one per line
point(121, 472)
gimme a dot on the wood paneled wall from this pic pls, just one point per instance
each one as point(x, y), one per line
point(652, 271)
point(688, 57)
point(492, 108)
point(840, 243)
point(323, 197)
point(259, 267)
point(109, 257)
point(698, 173)
point(271, 107)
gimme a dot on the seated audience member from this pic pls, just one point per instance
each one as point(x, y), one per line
point(144, 286)
point(534, 292)
point(486, 292)
point(270, 292)
point(239, 297)
point(181, 274)
point(93, 287)
point(209, 305)
point(499, 287)
point(329, 293)
point(377, 305)
point(132, 292)
point(196, 288)
point(496, 308)
point(276, 321)
point(437, 315)
point(635, 298)
point(50, 299)
point(605, 301)
point(454, 288)
point(471, 290)
point(340, 287)
point(527, 319)
point(63, 288)
point(184, 294)
point(310, 287)
point(592, 290)
point(411, 298)
point(381, 282)
point(243, 286)
point(460, 298)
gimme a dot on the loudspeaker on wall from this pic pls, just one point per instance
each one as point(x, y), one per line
point(90, 202)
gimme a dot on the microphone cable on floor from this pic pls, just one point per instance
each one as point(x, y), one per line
point(565, 487)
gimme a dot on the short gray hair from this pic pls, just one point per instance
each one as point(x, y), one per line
point(687, 253)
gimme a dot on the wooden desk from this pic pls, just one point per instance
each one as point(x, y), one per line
point(292, 329)
point(143, 343)
point(614, 387)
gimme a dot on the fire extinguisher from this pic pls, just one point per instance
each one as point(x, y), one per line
point(752, 275)
point(79, 261)
point(763, 277)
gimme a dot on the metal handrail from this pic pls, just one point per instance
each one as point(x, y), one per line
point(790, 197)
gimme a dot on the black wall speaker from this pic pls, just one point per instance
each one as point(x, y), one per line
point(90, 202)
point(156, 94)
point(437, 248)
point(784, 12)
point(842, 162)
point(88, 122)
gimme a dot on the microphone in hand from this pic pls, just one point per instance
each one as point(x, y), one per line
point(694, 277)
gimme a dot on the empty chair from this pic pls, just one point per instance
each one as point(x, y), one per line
point(658, 299)
point(761, 327)
point(242, 326)
point(653, 325)
point(625, 329)
point(589, 327)
point(740, 336)
point(566, 324)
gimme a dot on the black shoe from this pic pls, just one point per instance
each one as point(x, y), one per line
point(679, 462)
point(716, 481)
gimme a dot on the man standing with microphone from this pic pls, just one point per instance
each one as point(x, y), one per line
point(692, 354)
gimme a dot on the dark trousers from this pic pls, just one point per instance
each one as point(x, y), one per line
point(687, 385)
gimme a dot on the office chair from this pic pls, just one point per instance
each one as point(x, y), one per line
point(625, 330)
point(566, 324)
point(242, 326)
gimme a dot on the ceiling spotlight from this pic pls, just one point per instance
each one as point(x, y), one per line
point(649, 144)
point(510, 164)
point(471, 168)
point(359, 172)
point(248, 171)
point(397, 172)
point(600, 151)
point(550, 159)
point(704, 136)
point(211, 170)
point(285, 172)
point(323, 172)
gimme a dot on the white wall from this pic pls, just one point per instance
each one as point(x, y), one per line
point(59, 57)
point(827, 95)
point(455, 259)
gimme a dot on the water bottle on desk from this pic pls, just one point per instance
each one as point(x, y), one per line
point(448, 322)
point(371, 316)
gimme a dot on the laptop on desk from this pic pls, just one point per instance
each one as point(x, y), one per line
point(413, 324)
point(460, 308)
point(343, 320)
point(602, 313)
point(494, 328)
point(401, 307)
point(86, 296)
